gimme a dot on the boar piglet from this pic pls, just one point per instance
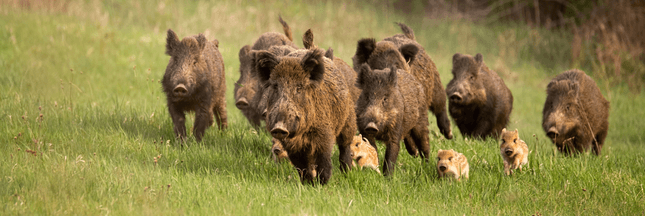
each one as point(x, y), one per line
point(480, 103)
point(194, 81)
point(391, 107)
point(575, 114)
point(308, 109)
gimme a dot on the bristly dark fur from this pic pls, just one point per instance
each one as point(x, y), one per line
point(399, 51)
point(194, 81)
point(575, 113)
point(480, 102)
point(394, 102)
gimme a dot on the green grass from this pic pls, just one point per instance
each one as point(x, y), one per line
point(92, 70)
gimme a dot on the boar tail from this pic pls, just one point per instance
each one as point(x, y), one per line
point(287, 30)
point(407, 31)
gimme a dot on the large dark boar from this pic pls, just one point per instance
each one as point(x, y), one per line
point(392, 106)
point(194, 81)
point(309, 107)
point(247, 85)
point(480, 102)
point(403, 52)
point(575, 113)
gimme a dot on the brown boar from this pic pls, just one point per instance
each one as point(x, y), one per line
point(403, 52)
point(514, 151)
point(194, 81)
point(279, 154)
point(247, 85)
point(309, 108)
point(575, 114)
point(391, 107)
point(480, 103)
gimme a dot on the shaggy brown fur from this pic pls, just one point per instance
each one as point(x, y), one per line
point(364, 153)
point(403, 52)
point(391, 107)
point(194, 81)
point(575, 114)
point(514, 151)
point(452, 164)
point(309, 108)
point(480, 102)
point(247, 85)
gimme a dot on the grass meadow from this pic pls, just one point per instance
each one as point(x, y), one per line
point(85, 130)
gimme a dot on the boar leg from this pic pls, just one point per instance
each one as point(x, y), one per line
point(411, 146)
point(507, 168)
point(220, 114)
point(323, 166)
point(391, 154)
point(203, 119)
point(179, 121)
point(300, 162)
point(600, 140)
point(482, 129)
point(420, 136)
point(344, 141)
point(443, 122)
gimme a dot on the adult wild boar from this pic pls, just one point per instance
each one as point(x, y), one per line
point(403, 52)
point(480, 103)
point(194, 81)
point(247, 85)
point(392, 106)
point(309, 108)
point(575, 114)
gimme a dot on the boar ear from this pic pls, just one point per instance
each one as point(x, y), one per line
point(172, 42)
point(479, 58)
point(362, 74)
point(503, 130)
point(244, 52)
point(574, 88)
point(329, 53)
point(313, 63)
point(265, 62)
point(308, 39)
point(409, 51)
point(392, 77)
point(364, 49)
point(201, 42)
point(455, 57)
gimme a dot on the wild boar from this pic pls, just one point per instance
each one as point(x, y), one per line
point(514, 151)
point(309, 107)
point(575, 114)
point(194, 81)
point(403, 52)
point(480, 103)
point(247, 85)
point(364, 153)
point(392, 106)
point(452, 164)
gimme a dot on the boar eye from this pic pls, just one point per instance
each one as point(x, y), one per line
point(194, 62)
point(503, 141)
point(450, 158)
point(568, 106)
point(515, 140)
point(471, 77)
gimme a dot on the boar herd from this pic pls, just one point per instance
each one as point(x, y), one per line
point(311, 100)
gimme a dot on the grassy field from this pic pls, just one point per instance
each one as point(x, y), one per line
point(85, 130)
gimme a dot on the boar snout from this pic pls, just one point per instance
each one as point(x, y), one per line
point(552, 133)
point(242, 103)
point(180, 90)
point(456, 98)
point(509, 151)
point(442, 168)
point(279, 131)
point(371, 128)
point(277, 151)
